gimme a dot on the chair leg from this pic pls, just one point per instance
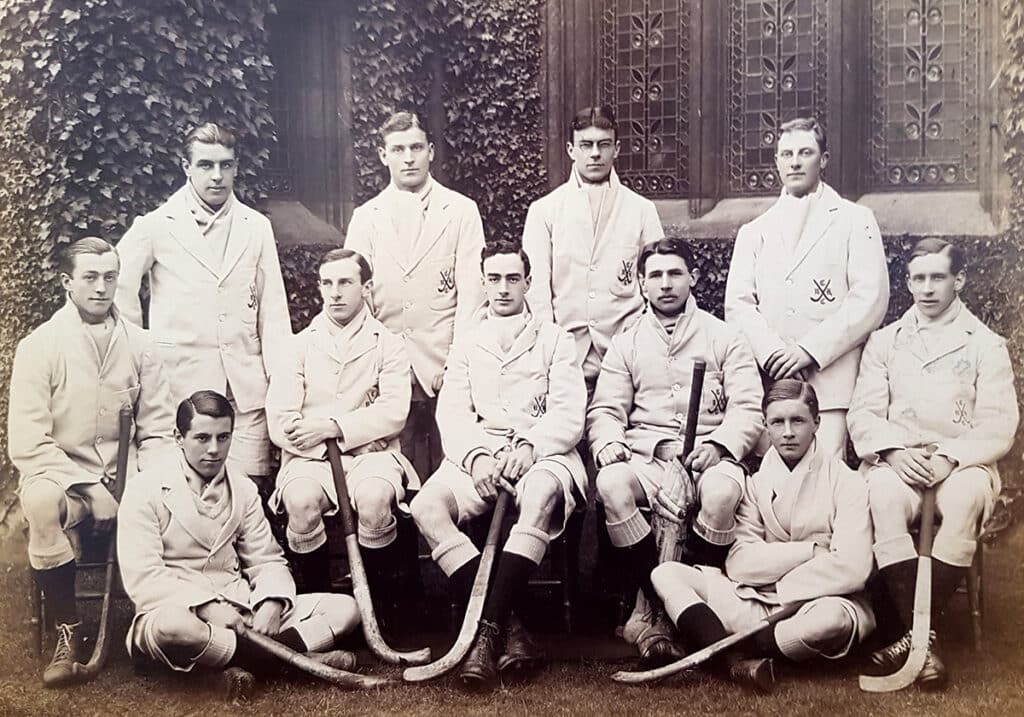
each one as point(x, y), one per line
point(975, 595)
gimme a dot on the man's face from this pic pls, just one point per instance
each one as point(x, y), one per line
point(407, 155)
point(206, 444)
point(593, 152)
point(505, 283)
point(800, 161)
point(92, 283)
point(791, 428)
point(342, 289)
point(211, 169)
point(933, 284)
point(666, 283)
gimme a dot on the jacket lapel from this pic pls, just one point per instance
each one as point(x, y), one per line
point(230, 527)
point(183, 229)
point(439, 215)
point(824, 212)
point(177, 497)
point(238, 239)
point(384, 228)
point(609, 208)
point(764, 490)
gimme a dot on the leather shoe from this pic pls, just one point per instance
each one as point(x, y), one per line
point(521, 654)
point(63, 667)
point(238, 684)
point(757, 674)
point(479, 668)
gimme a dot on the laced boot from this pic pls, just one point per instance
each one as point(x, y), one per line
point(890, 658)
point(237, 684)
point(933, 677)
point(63, 668)
point(479, 669)
point(757, 674)
point(338, 659)
point(521, 654)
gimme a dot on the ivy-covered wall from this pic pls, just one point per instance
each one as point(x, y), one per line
point(1013, 123)
point(95, 96)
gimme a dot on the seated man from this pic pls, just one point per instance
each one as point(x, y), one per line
point(71, 377)
point(803, 535)
point(934, 408)
point(511, 413)
point(199, 561)
point(346, 379)
point(638, 414)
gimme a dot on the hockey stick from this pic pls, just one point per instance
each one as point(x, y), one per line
point(360, 586)
point(919, 633)
point(474, 609)
point(310, 666)
point(703, 655)
point(99, 652)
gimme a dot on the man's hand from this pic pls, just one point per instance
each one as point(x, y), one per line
point(102, 505)
point(306, 433)
point(613, 453)
point(267, 618)
point(487, 477)
point(221, 614)
point(703, 457)
point(787, 362)
point(515, 463)
point(438, 381)
point(941, 467)
point(912, 465)
point(668, 508)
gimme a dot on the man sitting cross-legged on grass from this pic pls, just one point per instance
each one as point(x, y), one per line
point(934, 407)
point(511, 412)
point(638, 415)
point(803, 534)
point(199, 561)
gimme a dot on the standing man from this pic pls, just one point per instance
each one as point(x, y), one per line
point(934, 409)
point(423, 241)
point(808, 281)
point(71, 377)
point(512, 411)
point(217, 308)
point(346, 379)
point(636, 421)
point(584, 238)
point(200, 563)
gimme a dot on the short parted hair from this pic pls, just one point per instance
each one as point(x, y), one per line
point(85, 245)
point(678, 247)
point(208, 403)
point(791, 389)
point(365, 272)
point(505, 246)
point(602, 117)
point(806, 124)
point(399, 122)
point(935, 245)
point(208, 133)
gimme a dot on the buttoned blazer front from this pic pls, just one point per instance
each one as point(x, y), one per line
point(424, 291)
point(65, 401)
point(533, 393)
point(213, 323)
point(959, 397)
point(777, 561)
point(169, 557)
point(365, 389)
point(587, 283)
point(643, 391)
point(827, 295)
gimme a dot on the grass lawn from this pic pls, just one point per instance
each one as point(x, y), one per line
point(983, 685)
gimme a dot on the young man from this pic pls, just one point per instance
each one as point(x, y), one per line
point(346, 380)
point(200, 563)
point(423, 241)
point(934, 409)
point(217, 308)
point(808, 281)
point(803, 536)
point(637, 418)
point(71, 377)
point(584, 238)
point(511, 412)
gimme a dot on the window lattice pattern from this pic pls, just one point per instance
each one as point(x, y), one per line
point(645, 62)
point(924, 79)
point(777, 70)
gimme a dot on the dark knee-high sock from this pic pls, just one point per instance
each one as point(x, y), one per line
point(699, 626)
point(291, 638)
point(58, 587)
point(514, 571)
point(381, 568)
point(638, 561)
point(946, 579)
point(314, 570)
point(461, 581)
point(900, 579)
point(705, 552)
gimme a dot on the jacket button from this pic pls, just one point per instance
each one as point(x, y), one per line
point(790, 312)
point(593, 322)
point(675, 387)
point(593, 267)
point(789, 282)
point(593, 294)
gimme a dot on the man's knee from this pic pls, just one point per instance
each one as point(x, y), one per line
point(616, 486)
point(890, 500)
point(341, 613)
point(826, 626)
point(961, 500)
point(43, 503)
point(304, 501)
point(434, 509)
point(374, 499)
point(541, 494)
point(669, 575)
point(719, 496)
point(178, 627)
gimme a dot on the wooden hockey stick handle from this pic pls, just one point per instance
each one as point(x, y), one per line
point(310, 666)
point(693, 407)
point(927, 531)
point(348, 523)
